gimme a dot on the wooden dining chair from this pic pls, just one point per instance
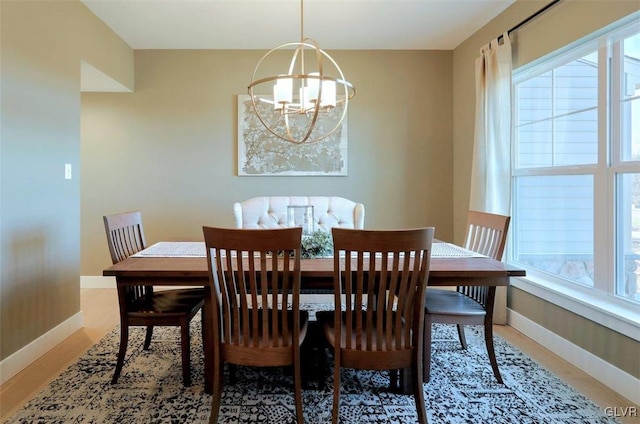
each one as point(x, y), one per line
point(379, 302)
point(141, 305)
point(470, 305)
point(255, 289)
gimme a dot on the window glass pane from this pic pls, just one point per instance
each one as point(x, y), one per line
point(630, 109)
point(554, 227)
point(628, 236)
point(557, 122)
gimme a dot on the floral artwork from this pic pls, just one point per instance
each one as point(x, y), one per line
point(261, 153)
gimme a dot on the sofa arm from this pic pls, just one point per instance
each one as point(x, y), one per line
point(358, 216)
point(237, 214)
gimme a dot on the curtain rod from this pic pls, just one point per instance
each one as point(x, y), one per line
point(532, 17)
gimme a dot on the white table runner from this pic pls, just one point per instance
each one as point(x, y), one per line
point(448, 250)
point(195, 249)
point(169, 249)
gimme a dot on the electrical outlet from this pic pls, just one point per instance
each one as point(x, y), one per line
point(67, 171)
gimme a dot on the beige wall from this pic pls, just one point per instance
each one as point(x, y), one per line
point(562, 24)
point(42, 45)
point(169, 148)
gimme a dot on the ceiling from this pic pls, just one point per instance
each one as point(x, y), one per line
point(264, 24)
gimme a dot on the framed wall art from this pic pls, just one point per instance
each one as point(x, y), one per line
point(261, 153)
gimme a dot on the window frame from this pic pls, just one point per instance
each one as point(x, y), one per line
point(600, 302)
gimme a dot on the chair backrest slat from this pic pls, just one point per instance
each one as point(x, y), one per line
point(255, 278)
point(125, 235)
point(382, 277)
point(487, 235)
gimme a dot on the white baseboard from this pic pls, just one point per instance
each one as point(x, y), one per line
point(97, 282)
point(16, 362)
point(618, 380)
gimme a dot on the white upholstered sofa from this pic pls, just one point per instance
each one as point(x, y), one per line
point(271, 212)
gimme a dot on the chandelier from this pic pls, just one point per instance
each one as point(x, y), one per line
point(309, 102)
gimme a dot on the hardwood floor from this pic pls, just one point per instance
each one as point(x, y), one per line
point(100, 307)
point(100, 310)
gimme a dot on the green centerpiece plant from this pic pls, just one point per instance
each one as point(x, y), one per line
point(317, 244)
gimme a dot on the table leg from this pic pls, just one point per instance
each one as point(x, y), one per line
point(313, 358)
point(207, 341)
point(406, 381)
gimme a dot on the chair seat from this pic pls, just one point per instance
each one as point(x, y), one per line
point(449, 302)
point(377, 318)
point(326, 319)
point(304, 319)
point(304, 323)
point(277, 350)
point(141, 305)
point(391, 356)
point(246, 331)
point(182, 301)
point(487, 235)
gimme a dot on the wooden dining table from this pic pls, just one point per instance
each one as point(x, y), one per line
point(316, 275)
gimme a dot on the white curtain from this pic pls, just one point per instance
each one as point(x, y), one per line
point(491, 167)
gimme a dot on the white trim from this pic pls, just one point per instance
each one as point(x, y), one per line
point(97, 282)
point(612, 313)
point(17, 361)
point(618, 380)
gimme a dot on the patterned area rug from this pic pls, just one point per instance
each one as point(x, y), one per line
point(462, 389)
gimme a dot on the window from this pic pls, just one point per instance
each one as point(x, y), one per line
point(576, 166)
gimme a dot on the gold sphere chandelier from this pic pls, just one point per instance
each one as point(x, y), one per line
point(307, 103)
